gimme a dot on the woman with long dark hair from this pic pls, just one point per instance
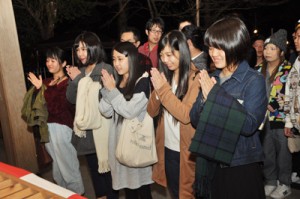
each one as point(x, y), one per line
point(175, 90)
point(126, 97)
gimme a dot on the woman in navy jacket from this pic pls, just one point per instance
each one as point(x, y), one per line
point(227, 113)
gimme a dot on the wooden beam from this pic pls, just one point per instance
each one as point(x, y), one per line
point(18, 141)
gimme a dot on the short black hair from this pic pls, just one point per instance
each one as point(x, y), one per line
point(194, 33)
point(56, 53)
point(135, 31)
point(95, 50)
point(252, 58)
point(187, 19)
point(231, 35)
point(257, 37)
point(155, 21)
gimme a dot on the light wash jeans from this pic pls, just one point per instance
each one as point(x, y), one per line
point(278, 159)
point(65, 166)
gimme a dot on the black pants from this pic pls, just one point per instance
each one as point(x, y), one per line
point(240, 182)
point(296, 168)
point(172, 167)
point(296, 162)
point(144, 192)
point(102, 182)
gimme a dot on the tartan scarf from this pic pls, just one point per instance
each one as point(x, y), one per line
point(217, 133)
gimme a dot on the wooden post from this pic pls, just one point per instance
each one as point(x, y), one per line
point(198, 13)
point(18, 141)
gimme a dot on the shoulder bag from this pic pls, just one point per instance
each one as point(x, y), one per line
point(136, 146)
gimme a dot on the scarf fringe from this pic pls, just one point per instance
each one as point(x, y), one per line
point(78, 132)
point(202, 188)
point(103, 167)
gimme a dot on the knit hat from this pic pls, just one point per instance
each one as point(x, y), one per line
point(279, 39)
point(297, 25)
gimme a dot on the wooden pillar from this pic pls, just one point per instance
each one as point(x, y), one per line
point(18, 141)
point(198, 13)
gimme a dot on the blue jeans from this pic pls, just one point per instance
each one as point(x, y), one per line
point(65, 166)
point(278, 159)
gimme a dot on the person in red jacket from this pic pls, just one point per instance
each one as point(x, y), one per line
point(154, 30)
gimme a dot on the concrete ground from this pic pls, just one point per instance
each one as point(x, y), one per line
point(158, 192)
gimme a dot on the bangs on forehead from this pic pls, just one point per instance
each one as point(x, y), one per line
point(156, 25)
point(213, 38)
point(51, 55)
point(77, 44)
point(223, 33)
point(213, 42)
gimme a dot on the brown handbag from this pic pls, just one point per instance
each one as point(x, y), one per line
point(43, 158)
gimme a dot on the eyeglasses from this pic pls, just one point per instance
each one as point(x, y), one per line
point(156, 31)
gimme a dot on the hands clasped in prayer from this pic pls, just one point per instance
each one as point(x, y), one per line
point(206, 82)
point(108, 80)
point(72, 71)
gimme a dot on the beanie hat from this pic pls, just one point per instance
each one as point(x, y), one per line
point(279, 39)
point(297, 25)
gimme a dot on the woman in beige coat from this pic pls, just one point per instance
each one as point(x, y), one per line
point(175, 91)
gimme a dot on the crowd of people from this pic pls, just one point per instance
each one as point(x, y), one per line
point(224, 107)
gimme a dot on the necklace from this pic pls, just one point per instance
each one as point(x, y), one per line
point(58, 80)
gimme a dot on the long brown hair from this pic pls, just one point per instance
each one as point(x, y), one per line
point(264, 68)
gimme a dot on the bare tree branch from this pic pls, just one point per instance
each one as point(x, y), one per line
point(122, 8)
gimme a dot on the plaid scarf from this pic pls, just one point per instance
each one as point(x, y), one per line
point(217, 133)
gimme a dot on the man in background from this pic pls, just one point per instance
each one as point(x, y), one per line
point(154, 30)
point(195, 42)
point(258, 44)
point(132, 35)
point(183, 23)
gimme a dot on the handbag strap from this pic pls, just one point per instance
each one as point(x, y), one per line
point(145, 74)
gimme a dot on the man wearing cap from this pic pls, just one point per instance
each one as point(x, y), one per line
point(292, 106)
point(278, 161)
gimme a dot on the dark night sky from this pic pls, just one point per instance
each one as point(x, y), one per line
point(264, 19)
point(275, 17)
